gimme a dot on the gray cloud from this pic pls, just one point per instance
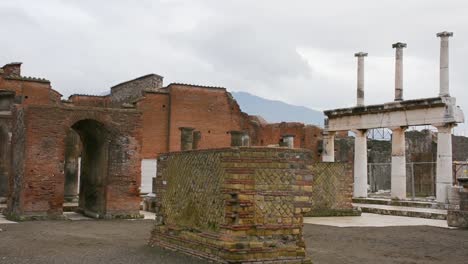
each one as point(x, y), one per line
point(297, 51)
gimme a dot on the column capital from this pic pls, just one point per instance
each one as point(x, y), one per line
point(359, 132)
point(399, 45)
point(328, 133)
point(403, 128)
point(444, 34)
point(445, 128)
point(360, 54)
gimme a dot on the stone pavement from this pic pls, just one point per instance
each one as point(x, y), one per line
point(431, 213)
point(3, 220)
point(374, 220)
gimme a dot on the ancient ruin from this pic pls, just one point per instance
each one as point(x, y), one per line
point(441, 112)
point(458, 210)
point(101, 151)
point(235, 205)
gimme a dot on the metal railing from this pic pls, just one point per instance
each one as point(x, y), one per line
point(420, 177)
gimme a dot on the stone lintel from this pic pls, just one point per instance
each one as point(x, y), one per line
point(429, 111)
point(186, 128)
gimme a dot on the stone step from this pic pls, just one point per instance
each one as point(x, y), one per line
point(428, 213)
point(70, 207)
point(406, 203)
point(2, 208)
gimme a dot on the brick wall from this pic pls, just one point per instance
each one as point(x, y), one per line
point(29, 90)
point(208, 110)
point(332, 191)
point(155, 118)
point(39, 134)
point(305, 136)
point(234, 205)
point(90, 100)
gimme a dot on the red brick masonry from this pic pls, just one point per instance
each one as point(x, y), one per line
point(234, 205)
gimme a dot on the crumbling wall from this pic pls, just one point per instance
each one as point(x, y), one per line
point(305, 136)
point(208, 110)
point(234, 205)
point(129, 91)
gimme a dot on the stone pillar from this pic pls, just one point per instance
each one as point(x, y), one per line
point(399, 70)
point(288, 141)
point(444, 173)
point(328, 147)
point(360, 78)
point(444, 62)
point(360, 164)
point(236, 138)
point(186, 138)
point(398, 170)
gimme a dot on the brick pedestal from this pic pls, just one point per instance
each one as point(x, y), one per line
point(234, 205)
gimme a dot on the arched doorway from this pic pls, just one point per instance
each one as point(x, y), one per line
point(94, 139)
point(4, 161)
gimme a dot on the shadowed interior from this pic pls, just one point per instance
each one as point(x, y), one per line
point(94, 166)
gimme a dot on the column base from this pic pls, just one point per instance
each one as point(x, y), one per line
point(398, 180)
point(442, 190)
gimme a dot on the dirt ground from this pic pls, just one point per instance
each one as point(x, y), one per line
point(58, 242)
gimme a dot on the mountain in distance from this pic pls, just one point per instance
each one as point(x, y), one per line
point(276, 111)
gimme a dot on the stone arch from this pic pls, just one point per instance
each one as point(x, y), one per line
point(95, 138)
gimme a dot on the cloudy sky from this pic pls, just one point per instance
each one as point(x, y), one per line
point(297, 51)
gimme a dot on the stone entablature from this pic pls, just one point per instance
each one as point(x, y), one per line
point(234, 205)
point(428, 111)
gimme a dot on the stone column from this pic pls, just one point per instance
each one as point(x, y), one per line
point(398, 170)
point(399, 70)
point(288, 141)
point(444, 174)
point(360, 164)
point(444, 62)
point(186, 138)
point(328, 147)
point(360, 77)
